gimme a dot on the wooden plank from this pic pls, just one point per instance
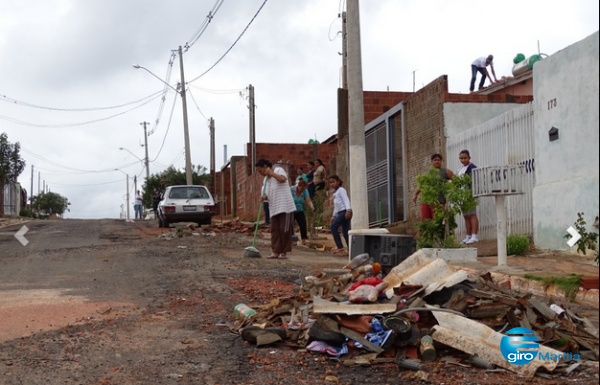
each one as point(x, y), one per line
point(359, 338)
point(548, 313)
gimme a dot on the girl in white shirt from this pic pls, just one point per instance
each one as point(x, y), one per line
point(342, 213)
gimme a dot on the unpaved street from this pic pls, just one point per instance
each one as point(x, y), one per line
point(109, 302)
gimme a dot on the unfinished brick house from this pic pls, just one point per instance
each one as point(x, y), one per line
point(402, 130)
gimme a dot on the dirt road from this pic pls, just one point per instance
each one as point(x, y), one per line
point(109, 302)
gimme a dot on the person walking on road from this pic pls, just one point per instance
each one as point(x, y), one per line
point(281, 208)
point(156, 198)
point(342, 213)
point(301, 197)
point(479, 65)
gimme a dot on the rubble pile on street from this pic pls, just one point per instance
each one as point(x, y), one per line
point(422, 307)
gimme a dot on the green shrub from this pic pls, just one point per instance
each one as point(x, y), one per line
point(25, 212)
point(568, 284)
point(588, 240)
point(517, 244)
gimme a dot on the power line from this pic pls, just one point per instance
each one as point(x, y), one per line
point(204, 25)
point(27, 104)
point(218, 92)
point(166, 133)
point(65, 125)
point(194, 100)
point(233, 45)
point(165, 90)
point(70, 168)
point(82, 185)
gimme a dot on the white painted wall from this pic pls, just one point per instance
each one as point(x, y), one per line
point(459, 117)
point(566, 92)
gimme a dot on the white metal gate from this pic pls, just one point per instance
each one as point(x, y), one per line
point(507, 139)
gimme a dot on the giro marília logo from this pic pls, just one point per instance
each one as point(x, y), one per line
point(519, 346)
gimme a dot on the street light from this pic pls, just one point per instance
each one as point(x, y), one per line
point(186, 135)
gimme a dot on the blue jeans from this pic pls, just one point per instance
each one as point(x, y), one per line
point(138, 211)
point(474, 70)
point(340, 220)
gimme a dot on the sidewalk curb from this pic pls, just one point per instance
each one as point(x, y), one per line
point(523, 285)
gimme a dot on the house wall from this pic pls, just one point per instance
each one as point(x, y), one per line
point(290, 156)
point(459, 117)
point(566, 96)
point(424, 135)
point(376, 103)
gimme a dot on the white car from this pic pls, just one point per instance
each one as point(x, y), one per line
point(186, 204)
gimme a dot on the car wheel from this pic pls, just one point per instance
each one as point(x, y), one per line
point(165, 223)
point(160, 222)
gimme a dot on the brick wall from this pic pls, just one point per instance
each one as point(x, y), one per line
point(290, 156)
point(377, 103)
point(424, 129)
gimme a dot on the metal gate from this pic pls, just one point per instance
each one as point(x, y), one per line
point(507, 139)
point(381, 168)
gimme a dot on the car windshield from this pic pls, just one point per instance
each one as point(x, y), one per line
point(188, 193)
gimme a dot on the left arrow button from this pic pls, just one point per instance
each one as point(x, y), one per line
point(20, 235)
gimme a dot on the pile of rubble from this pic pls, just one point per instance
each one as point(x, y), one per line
point(422, 306)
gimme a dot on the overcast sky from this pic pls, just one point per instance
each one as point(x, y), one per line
point(63, 62)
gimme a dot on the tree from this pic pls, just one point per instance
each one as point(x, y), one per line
point(50, 203)
point(172, 177)
point(438, 232)
point(11, 165)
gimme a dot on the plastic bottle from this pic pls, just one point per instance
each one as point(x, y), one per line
point(243, 311)
point(359, 260)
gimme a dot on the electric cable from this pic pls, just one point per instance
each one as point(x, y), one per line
point(166, 133)
point(67, 167)
point(67, 125)
point(231, 47)
point(204, 25)
point(218, 92)
point(194, 100)
point(82, 185)
point(27, 104)
point(165, 90)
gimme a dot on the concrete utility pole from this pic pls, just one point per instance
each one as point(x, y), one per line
point(186, 133)
point(31, 191)
point(344, 52)
point(251, 107)
point(127, 183)
point(135, 184)
point(356, 129)
point(212, 156)
point(146, 160)
point(39, 179)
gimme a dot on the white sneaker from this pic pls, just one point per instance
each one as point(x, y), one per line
point(473, 239)
point(466, 240)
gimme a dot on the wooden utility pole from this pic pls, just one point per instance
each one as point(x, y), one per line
point(146, 160)
point(251, 107)
point(356, 129)
point(212, 156)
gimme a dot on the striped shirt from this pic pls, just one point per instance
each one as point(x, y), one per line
point(280, 198)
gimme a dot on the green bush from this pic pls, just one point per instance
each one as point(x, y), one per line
point(25, 212)
point(517, 244)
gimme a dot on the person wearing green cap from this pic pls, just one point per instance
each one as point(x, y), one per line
point(479, 65)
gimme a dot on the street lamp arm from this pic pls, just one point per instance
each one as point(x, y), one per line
point(137, 67)
point(138, 158)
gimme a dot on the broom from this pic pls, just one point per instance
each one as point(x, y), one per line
point(252, 252)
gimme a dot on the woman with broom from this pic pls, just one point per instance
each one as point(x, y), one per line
point(281, 208)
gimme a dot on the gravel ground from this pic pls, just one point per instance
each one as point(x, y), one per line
point(129, 307)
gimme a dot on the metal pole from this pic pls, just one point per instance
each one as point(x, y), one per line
point(147, 161)
point(127, 181)
point(501, 216)
point(356, 130)
point(186, 134)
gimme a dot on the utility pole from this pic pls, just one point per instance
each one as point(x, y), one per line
point(186, 134)
point(251, 107)
point(44, 187)
point(135, 184)
point(344, 52)
point(356, 129)
point(127, 195)
point(39, 179)
point(31, 193)
point(212, 156)
point(414, 80)
point(146, 148)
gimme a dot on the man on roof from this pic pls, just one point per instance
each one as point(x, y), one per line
point(479, 65)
